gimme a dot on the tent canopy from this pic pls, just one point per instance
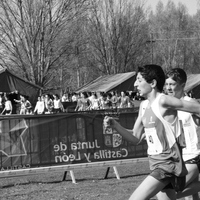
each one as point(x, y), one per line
point(193, 84)
point(117, 82)
point(193, 80)
point(125, 81)
point(10, 83)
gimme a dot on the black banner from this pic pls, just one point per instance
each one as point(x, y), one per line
point(35, 141)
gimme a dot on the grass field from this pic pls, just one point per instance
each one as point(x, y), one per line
point(91, 184)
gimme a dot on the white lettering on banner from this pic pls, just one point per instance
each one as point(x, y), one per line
point(101, 154)
point(15, 167)
point(84, 145)
point(62, 148)
point(87, 156)
point(67, 158)
point(76, 146)
point(111, 154)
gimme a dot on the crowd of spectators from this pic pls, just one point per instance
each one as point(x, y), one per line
point(15, 103)
point(103, 101)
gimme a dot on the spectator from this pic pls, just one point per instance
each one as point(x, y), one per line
point(8, 106)
point(94, 102)
point(48, 104)
point(138, 97)
point(2, 102)
point(65, 98)
point(124, 100)
point(90, 96)
point(58, 106)
point(39, 108)
point(16, 106)
point(101, 98)
point(82, 103)
point(131, 99)
point(18, 102)
point(26, 107)
point(74, 97)
point(105, 102)
point(114, 100)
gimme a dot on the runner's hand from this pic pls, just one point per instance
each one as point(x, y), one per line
point(108, 122)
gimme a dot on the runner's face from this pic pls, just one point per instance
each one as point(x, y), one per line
point(142, 86)
point(173, 88)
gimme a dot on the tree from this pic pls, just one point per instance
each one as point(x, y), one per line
point(118, 33)
point(36, 36)
point(175, 35)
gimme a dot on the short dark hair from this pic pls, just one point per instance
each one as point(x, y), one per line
point(85, 94)
point(151, 72)
point(177, 74)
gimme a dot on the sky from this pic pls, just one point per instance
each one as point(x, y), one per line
point(190, 4)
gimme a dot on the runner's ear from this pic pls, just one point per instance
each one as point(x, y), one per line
point(153, 83)
point(183, 84)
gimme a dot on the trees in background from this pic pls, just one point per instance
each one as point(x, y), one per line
point(67, 43)
point(118, 33)
point(176, 37)
point(37, 37)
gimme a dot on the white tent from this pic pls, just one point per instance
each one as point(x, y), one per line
point(193, 84)
point(115, 82)
point(125, 81)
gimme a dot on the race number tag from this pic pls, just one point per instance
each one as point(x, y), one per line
point(154, 144)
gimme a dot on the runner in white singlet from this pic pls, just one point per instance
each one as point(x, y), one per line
point(158, 123)
point(175, 82)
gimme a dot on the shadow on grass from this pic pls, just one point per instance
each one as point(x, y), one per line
point(69, 180)
point(111, 177)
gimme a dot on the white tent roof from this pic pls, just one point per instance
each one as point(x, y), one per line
point(193, 80)
point(110, 82)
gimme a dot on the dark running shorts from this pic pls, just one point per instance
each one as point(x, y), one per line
point(195, 160)
point(175, 182)
point(7, 111)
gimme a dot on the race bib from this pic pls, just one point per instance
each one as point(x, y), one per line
point(154, 144)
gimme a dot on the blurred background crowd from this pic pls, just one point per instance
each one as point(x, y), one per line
point(16, 103)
